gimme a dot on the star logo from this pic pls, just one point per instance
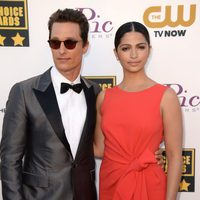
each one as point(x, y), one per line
point(18, 40)
point(184, 185)
point(2, 40)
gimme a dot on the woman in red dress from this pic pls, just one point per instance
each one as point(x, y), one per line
point(133, 118)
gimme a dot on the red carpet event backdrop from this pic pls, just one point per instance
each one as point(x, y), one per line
point(175, 60)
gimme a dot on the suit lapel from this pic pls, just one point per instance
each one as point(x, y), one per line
point(90, 116)
point(46, 96)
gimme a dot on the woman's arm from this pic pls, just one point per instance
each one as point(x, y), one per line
point(98, 137)
point(172, 120)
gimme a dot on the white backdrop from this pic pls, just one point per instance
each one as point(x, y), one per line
point(174, 59)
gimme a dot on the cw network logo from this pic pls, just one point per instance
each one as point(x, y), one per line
point(99, 28)
point(189, 102)
point(168, 16)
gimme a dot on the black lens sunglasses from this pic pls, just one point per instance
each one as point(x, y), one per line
point(69, 44)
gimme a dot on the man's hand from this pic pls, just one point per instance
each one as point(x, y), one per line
point(159, 158)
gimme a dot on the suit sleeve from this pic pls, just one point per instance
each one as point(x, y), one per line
point(13, 144)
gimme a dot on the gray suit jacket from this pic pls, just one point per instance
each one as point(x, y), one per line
point(36, 159)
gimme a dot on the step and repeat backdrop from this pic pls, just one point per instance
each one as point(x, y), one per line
point(174, 27)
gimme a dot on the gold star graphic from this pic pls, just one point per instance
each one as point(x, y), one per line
point(18, 40)
point(184, 185)
point(2, 40)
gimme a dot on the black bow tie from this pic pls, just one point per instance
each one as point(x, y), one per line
point(65, 87)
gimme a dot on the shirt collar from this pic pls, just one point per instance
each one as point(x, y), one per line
point(58, 78)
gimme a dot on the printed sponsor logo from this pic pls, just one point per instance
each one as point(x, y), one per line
point(161, 17)
point(14, 23)
point(99, 27)
point(187, 183)
point(189, 102)
point(103, 81)
point(2, 110)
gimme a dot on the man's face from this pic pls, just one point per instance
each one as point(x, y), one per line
point(68, 61)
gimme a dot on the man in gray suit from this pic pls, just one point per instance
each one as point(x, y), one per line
point(47, 138)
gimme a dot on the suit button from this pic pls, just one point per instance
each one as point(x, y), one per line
point(74, 165)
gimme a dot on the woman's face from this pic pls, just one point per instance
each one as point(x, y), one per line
point(133, 52)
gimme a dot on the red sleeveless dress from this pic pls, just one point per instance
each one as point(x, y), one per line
point(133, 130)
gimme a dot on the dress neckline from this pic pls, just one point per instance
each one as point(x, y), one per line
point(140, 91)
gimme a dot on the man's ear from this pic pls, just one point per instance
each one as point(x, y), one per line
point(85, 47)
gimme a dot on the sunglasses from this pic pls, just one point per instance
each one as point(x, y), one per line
point(69, 44)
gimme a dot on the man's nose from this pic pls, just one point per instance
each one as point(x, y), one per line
point(62, 48)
